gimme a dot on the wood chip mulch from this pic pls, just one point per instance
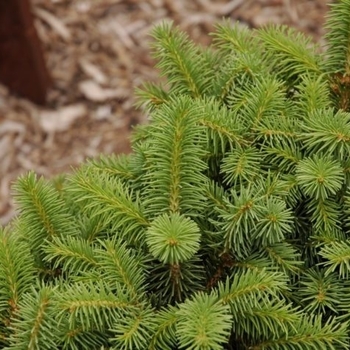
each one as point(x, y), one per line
point(97, 53)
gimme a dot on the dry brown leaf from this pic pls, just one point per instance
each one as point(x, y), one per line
point(54, 22)
point(122, 33)
point(94, 92)
point(62, 119)
point(103, 112)
point(12, 127)
point(93, 71)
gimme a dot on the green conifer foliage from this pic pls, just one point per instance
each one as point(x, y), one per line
point(226, 228)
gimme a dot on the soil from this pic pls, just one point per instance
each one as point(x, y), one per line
point(97, 53)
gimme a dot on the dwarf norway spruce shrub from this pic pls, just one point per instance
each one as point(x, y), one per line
point(226, 228)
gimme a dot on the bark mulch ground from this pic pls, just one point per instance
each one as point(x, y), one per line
point(97, 53)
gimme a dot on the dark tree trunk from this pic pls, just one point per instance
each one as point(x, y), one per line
point(22, 65)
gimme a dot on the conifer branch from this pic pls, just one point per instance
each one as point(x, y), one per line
point(331, 335)
point(338, 38)
point(17, 274)
point(71, 254)
point(180, 60)
point(46, 213)
point(165, 335)
point(284, 256)
point(92, 306)
point(326, 130)
point(151, 96)
point(320, 293)
point(114, 165)
point(274, 319)
point(292, 52)
point(203, 322)
point(223, 127)
point(337, 255)
point(110, 200)
point(117, 263)
point(239, 218)
point(313, 93)
point(134, 330)
point(247, 284)
point(32, 325)
point(176, 143)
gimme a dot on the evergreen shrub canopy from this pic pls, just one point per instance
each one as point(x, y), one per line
point(226, 228)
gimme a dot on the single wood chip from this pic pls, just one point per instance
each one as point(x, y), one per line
point(94, 92)
point(93, 71)
point(54, 22)
point(61, 120)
